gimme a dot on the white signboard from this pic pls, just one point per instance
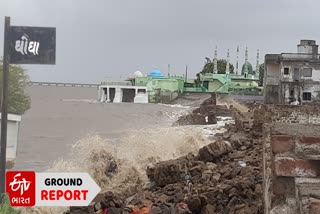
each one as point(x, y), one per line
point(27, 188)
point(65, 189)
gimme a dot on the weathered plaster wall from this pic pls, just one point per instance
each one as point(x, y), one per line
point(285, 114)
point(291, 85)
point(291, 157)
point(301, 65)
point(314, 88)
point(272, 74)
point(292, 90)
point(271, 83)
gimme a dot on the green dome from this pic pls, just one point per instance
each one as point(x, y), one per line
point(250, 69)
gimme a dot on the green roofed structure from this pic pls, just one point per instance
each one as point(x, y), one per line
point(244, 83)
point(158, 88)
point(249, 68)
point(161, 88)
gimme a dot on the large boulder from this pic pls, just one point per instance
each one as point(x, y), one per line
point(191, 119)
point(214, 150)
point(168, 172)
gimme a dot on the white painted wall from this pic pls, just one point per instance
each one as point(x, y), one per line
point(139, 97)
point(272, 74)
point(12, 135)
point(118, 95)
point(316, 75)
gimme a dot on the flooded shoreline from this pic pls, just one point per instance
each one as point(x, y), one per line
point(61, 116)
point(66, 132)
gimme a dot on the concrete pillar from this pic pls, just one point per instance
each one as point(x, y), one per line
point(287, 94)
point(118, 95)
point(136, 93)
point(102, 95)
point(297, 93)
point(99, 93)
point(108, 94)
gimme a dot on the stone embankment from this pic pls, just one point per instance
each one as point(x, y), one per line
point(224, 177)
point(267, 162)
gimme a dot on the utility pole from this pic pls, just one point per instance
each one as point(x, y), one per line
point(46, 55)
point(4, 107)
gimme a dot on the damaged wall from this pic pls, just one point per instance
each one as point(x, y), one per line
point(271, 81)
point(293, 77)
point(291, 158)
point(299, 78)
point(285, 114)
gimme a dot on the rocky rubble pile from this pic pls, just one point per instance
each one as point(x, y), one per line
point(206, 114)
point(225, 177)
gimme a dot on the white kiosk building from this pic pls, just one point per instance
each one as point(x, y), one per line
point(12, 139)
point(118, 92)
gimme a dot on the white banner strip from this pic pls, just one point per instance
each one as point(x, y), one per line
point(65, 189)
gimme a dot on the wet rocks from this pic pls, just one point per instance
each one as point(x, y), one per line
point(191, 119)
point(214, 150)
point(102, 202)
point(207, 113)
point(224, 177)
point(168, 172)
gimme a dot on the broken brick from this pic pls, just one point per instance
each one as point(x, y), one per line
point(290, 167)
point(281, 138)
point(283, 186)
point(315, 207)
point(281, 144)
point(310, 140)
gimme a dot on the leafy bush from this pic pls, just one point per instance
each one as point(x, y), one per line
point(5, 207)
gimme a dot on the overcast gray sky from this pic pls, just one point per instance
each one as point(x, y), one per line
point(100, 39)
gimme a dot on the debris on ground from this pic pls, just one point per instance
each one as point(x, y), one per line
point(225, 177)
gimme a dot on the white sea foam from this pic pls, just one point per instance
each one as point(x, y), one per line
point(175, 106)
point(133, 153)
point(81, 100)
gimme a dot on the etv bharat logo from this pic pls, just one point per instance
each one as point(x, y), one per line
point(24, 46)
point(20, 187)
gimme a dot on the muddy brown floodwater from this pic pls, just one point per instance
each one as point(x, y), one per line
point(60, 116)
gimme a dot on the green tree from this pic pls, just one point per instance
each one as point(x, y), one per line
point(222, 63)
point(261, 74)
point(18, 100)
